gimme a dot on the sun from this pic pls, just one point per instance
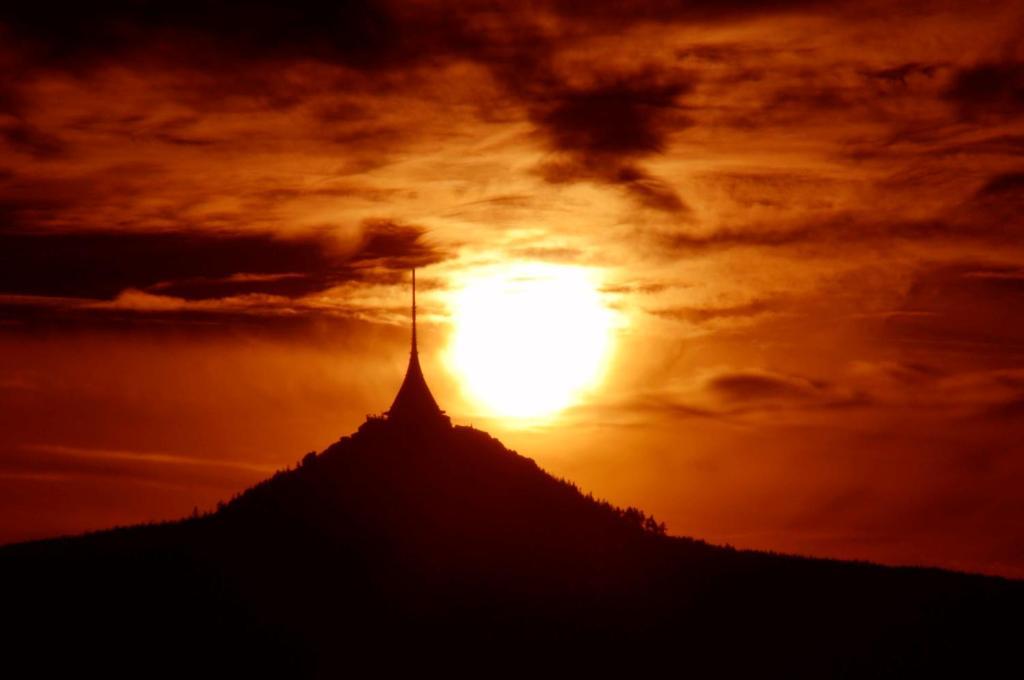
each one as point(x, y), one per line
point(530, 339)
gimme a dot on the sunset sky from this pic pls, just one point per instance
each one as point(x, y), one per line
point(800, 222)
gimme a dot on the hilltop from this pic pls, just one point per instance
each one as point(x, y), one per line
point(404, 548)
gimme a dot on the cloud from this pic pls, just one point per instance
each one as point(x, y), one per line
point(59, 461)
point(907, 373)
point(26, 138)
point(748, 386)
point(196, 263)
point(711, 313)
point(983, 218)
point(681, 242)
point(755, 389)
point(618, 14)
point(622, 117)
point(1001, 184)
point(391, 246)
point(359, 32)
point(1010, 410)
point(724, 395)
point(362, 33)
point(899, 75)
point(171, 271)
point(600, 130)
point(637, 410)
point(646, 190)
point(963, 307)
point(990, 88)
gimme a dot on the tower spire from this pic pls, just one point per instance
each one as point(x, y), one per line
point(414, 350)
point(414, 404)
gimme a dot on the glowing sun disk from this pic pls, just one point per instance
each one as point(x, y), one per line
point(529, 339)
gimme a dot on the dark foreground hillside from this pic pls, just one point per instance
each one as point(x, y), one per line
point(405, 550)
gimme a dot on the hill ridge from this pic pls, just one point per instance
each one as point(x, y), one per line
point(399, 537)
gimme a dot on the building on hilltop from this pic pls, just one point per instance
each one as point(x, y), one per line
point(414, 405)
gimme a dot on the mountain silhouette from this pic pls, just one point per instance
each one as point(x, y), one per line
point(416, 546)
point(406, 549)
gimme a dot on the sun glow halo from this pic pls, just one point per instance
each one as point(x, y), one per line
point(529, 339)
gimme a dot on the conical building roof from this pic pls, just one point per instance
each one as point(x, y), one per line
point(414, 403)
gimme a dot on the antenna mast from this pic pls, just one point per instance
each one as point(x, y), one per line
point(414, 310)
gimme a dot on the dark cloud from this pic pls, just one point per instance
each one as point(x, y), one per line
point(994, 145)
point(1002, 184)
point(156, 468)
point(995, 208)
point(976, 308)
point(615, 13)
point(705, 314)
point(900, 74)
point(637, 409)
point(229, 47)
point(798, 102)
point(600, 126)
point(623, 117)
point(636, 288)
point(271, 319)
point(680, 243)
point(200, 264)
point(359, 32)
point(910, 373)
point(647, 190)
point(181, 140)
point(1011, 410)
point(25, 138)
point(756, 386)
point(995, 88)
point(102, 264)
point(601, 130)
point(755, 390)
point(392, 246)
point(989, 221)
point(547, 253)
point(728, 395)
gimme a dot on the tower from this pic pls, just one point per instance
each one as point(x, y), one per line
point(414, 404)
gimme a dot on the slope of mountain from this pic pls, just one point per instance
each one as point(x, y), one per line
point(403, 548)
